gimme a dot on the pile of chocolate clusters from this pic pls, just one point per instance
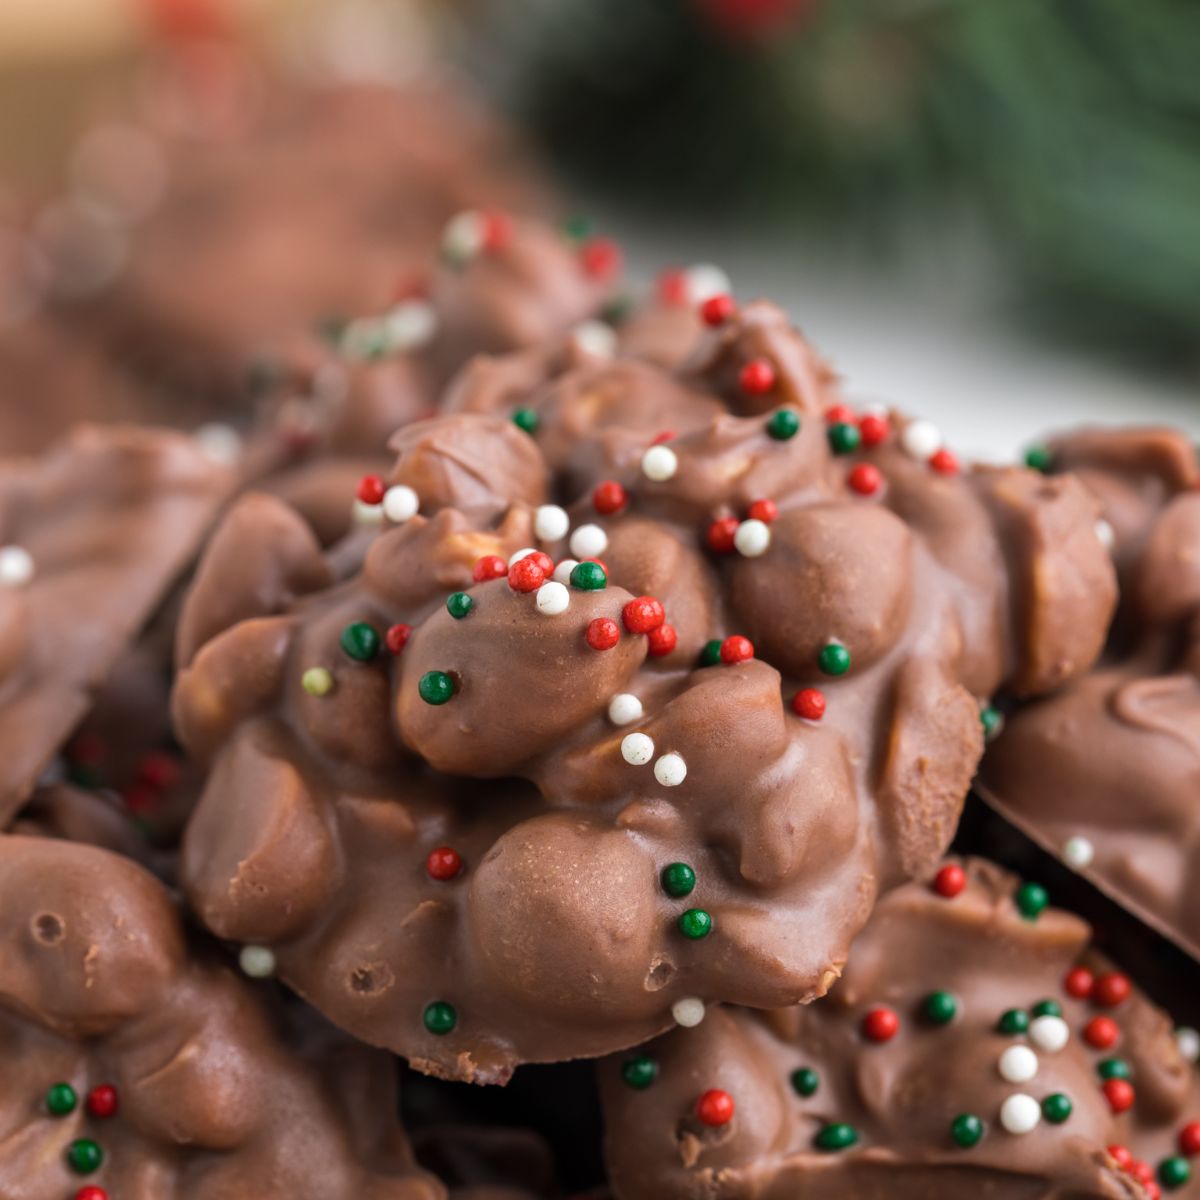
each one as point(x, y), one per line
point(417, 658)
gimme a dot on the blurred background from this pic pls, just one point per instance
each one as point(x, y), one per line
point(985, 211)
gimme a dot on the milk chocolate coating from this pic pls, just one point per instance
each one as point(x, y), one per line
point(98, 986)
point(901, 1096)
point(556, 939)
point(1114, 758)
point(108, 517)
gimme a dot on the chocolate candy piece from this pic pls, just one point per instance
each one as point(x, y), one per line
point(967, 1045)
point(650, 705)
point(1102, 774)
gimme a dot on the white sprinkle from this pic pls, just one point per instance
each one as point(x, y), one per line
point(688, 1012)
point(524, 552)
point(552, 598)
point(588, 541)
point(462, 239)
point(1018, 1064)
point(1020, 1113)
point(1049, 1033)
point(16, 566)
point(551, 523)
point(1188, 1041)
point(670, 770)
point(363, 339)
point(220, 443)
point(400, 503)
point(1078, 852)
point(921, 439)
point(752, 538)
point(637, 749)
point(595, 338)
point(1106, 534)
point(363, 513)
point(257, 961)
point(704, 281)
point(659, 463)
point(624, 708)
point(409, 326)
point(562, 572)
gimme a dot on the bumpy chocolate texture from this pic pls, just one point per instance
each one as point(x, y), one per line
point(1104, 774)
point(100, 990)
point(91, 537)
point(555, 770)
point(817, 1107)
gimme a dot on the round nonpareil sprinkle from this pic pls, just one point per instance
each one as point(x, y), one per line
point(805, 1081)
point(688, 1012)
point(550, 523)
point(258, 962)
point(834, 659)
point(1050, 1034)
point(459, 605)
point(880, 1024)
point(317, 681)
point(637, 749)
point(103, 1101)
point(809, 703)
point(1119, 1093)
point(609, 497)
point(552, 599)
point(714, 1108)
point(1017, 1064)
point(589, 577)
point(1031, 900)
point(642, 614)
point(1112, 988)
point(397, 637)
point(61, 1099)
point(843, 438)
point(836, 1136)
point(16, 566)
point(435, 687)
point(526, 419)
point(940, 1008)
point(439, 1017)
point(865, 479)
point(757, 377)
point(85, 1156)
point(400, 504)
point(752, 538)
point(625, 708)
point(360, 641)
point(1057, 1107)
point(921, 439)
point(661, 641)
point(1078, 852)
point(967, 1130)
point(443, 863)
point(1101, 1033)
point(783, 424)
point(1020, 1113)
point(720, 534)
point(678, 880)
point(526, 575)
point(602, 633)
point(1047, 1008)
point(949, 881)
point(639, 1072)
point(736, 649)
point(670, 770)
point(1078, 982)
point(588, 541)
point(660, 463)
point(490, 566)
point(695, 924)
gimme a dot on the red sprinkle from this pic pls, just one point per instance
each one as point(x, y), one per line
point(443, 863)
point(1189, 1138)
point(715, 1107)
point(91, 1192)
point(809, 703)
point(1142, 1171)
point(370, 489)
point(661, 641)
point(497, 230)
point(601, 257)
point(944, 462)
point(603, 633)
point(874, 429)
point(736, 649)
point(643, 614)
point(525, 575)
point(659, 439)
point(880, 1025)
point(1119, 1094)
point(397, 637)
point(757, 377)
point(141, 798)
point(102, 1100)
point(720, 534)
point(840, 414)
point(673, 286)
point(1101, 1032)
point(1121, 1156)
point(950, 881)
point(1112, 988)
point(1153, 1191)
point(609, 497)
point(490, 566)
point(716, 310)
point(159, 770)
point(865, 479)
point(763, 510)
point(1079, 982)
point(543, 560)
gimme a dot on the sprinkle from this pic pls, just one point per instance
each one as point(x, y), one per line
point(84, 1156)
point(16, 566)
point(688, 1012)
point(1050, 1034)
point(588, 541)
point(1102, 1033)
point(439, 1017)
point(809, 703)
point(836, 1136)
point(763, 510)
point(463, 238)
point(552, 599)
point(410, 325)
point(370, 489)
point(1189, 1138)
point(874, 428)
point(365, 514)
point(944, 462)
point(670, 770)
point(967, 1130)
point(661, 641)
point(589, 577)
point(317, 681)
point(595, 338)
point(258, 962)
point(714, 1108)
point(752, 538)
point(1187, 1040)
point(695, 924)
point(720, 534)
point(1057, 1108)
point(526, 419)
point(757, 377)
point(1031, 900)
point(1121, 1156)
point(637, 749)
point(834, 659)
point(1105, 534)
point(400, 503)
point(1112, 988)
point(718, 309)
point(102, 1101)
point(783, 424)
point(603, 633)
point(678, 880)
point(660, 463)
point(1174, 1172)
point(525, 552)
point(710, 656)
point(435, 687)
point(525, 575)
point(1119, 1093)
point(397, 637)
point(1114, 1068)
point(600, 257)
point(949, 881)
point(219, 443)
point(1047, 1008)
point(992, 720)
point(1038, 458)
point(736, 649)
point(921, 439)
point(642, 614)
point(609, 497)
point(940, 1007)
point(61, 1099)
point(843, 437)
point(1020, 1113)
point(1018, 1064)
point(562, 572)
point(459, 605)
point(490, 566)
point(639, 1072)
point(880, 1024)
point(805, 1081)
point(550, 522)
point(704, 281)
point(91, 1192)
point(624, 708)
point(443, 863)
point(865, 479)
point(1078, 852)
point(360, 641)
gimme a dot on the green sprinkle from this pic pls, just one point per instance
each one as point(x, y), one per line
point(1031, 900)
point(695, 924)
point(1174, 1172)
point(967, 1130)
point(526, 419)
point(940, 1007)
point(435, 687)
point(588, 577)
point(61, 1099)
point(84, 1156)
point(843, 438)
point(834, 659)
point(1014, 1021)
point(639, 1072)
point(1047, 1008)
point(1056, 1108)
point(991, 719)
point(710, 656)
point(360, 641)
point(440, 1017)
point(783, 424)
point(678, 879)
point(805, 1081)
point(836, 1137)
point(1038, 457)
point(617, 310)
point(459, 604)
point(578, 227)
point(317, 681)
point(1114, 1068)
